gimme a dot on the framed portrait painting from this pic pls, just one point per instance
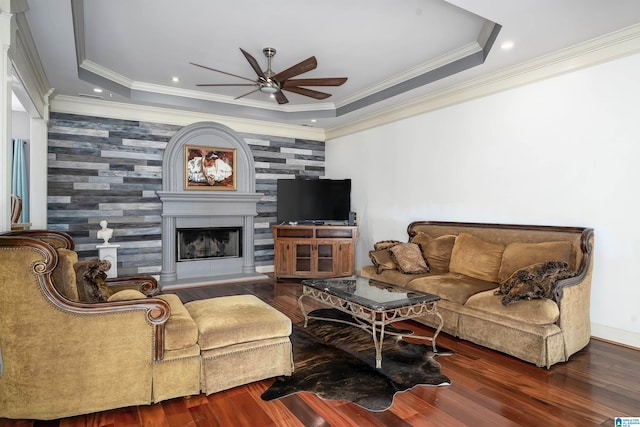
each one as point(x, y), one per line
point(209, 168)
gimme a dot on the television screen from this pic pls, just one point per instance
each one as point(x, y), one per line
point(314, 201)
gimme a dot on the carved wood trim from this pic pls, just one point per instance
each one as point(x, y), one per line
point(57, 239)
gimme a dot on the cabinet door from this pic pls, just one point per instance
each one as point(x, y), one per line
point(283, 259)
point(303, 257)
point(325, 257)
point(345, 258)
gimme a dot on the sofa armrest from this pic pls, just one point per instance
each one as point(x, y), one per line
point(586, 246)
point(148, 285)
point(574, 301)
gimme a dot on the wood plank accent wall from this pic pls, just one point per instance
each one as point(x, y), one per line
point(101, 168)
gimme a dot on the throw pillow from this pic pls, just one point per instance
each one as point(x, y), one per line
point(437, 251)
point(385, 244)
point(91, 277)
point(382, 260)
point(408, 257)
point(518, 255)
point(534, 281)
point(476, 258)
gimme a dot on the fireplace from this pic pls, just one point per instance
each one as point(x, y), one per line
point(208, 243)
point(207, 234)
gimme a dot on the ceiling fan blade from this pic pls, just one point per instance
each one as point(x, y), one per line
point(223, 72)
point(230, 84)
point(254, 64)
point(329, 81)
point(280, 97)
point(300, 68)
point(307, 92)
point(248, 93)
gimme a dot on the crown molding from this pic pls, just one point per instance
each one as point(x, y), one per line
point(132, 85)
point(126, 111)
point(439, 62)
point(602, 49)
point(33, 83)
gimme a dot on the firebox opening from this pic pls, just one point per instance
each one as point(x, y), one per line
point(209, 243)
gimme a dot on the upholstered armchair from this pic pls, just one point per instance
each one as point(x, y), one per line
point(61, 357)
point(63, 354)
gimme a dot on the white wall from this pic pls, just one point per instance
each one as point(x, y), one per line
point(19, 125)
point(564, 151)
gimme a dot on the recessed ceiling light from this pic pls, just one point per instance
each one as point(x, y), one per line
point(507, 45)
point(175, 79)
point(313, 120)
point(97, 90)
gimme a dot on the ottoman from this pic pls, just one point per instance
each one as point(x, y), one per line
point(242, 339)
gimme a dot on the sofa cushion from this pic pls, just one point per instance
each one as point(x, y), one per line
point(382, 260)
point(437, 251)
point(64, 275)
point(181, 330)
point(126, 295)
point(534, 281)
point(395, 277)
point(236, 319)
point(385, 244)
point(408, 257)
point(519, 254)
point(452, 287)
point(476, 258)
point(535, 312)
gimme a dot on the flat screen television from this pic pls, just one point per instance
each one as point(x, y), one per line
point(314, 201)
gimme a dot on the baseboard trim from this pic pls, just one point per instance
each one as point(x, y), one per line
point(615, 336)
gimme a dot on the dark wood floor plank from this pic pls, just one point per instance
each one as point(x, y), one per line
point(304, 412)
point(331, 410)
point(153, 416)
point(221, 409)
point(177, 412)
point(418, 411)
point(275, 409)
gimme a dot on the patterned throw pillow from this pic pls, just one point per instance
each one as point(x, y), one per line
point(381, 259)
point(408, 257)
point(91, 279)
point(385, 244)
point(534, 281)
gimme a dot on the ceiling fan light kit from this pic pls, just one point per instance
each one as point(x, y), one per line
point(274, 83)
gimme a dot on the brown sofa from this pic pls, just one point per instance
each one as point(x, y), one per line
point(490, 294)
point(62, 355)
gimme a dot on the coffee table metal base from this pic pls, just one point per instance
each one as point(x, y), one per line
point(373, 321)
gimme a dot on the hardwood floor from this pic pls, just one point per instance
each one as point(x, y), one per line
point(488, 388)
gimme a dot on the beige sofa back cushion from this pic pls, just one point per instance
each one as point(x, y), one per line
point(518, 255)
point(476, 258)
point(63, 275)
point(437, 251)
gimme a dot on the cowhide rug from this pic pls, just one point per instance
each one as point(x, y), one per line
point(337, 362)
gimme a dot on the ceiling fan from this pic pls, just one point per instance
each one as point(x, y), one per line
point(274, 83)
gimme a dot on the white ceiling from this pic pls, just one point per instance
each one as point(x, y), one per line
point(390, 50)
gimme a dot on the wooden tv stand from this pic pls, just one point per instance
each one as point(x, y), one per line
point(314, 251)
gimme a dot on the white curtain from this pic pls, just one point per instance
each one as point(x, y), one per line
point(19, 184)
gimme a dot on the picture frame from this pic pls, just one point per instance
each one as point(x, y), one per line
point(209, 168)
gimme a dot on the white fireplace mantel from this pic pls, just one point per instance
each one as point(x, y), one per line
point(197, 203)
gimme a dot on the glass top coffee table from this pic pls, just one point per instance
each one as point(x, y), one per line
point(373, 305)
